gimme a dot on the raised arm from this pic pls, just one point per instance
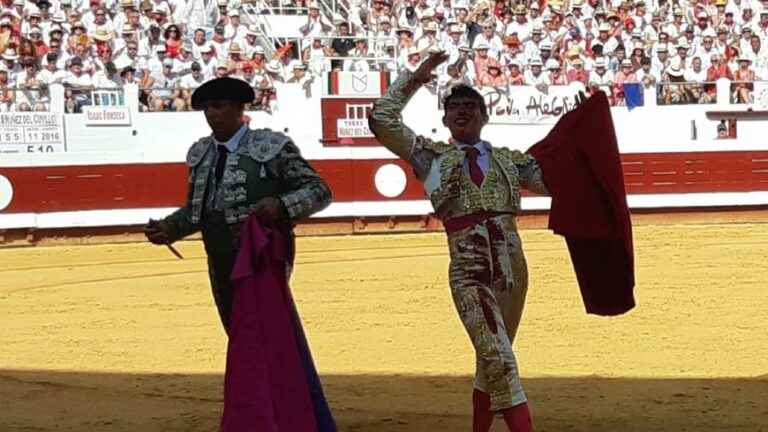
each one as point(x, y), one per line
point(386, 120)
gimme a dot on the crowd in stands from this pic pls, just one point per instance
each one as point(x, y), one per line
point(170, 47)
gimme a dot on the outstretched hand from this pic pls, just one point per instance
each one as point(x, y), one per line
point(424, 73)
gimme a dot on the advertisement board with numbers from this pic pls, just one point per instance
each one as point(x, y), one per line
point(32, 132)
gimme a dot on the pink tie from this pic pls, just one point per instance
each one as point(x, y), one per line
point(475, 172)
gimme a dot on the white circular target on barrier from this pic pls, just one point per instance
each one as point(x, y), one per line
point(6, 192)
point(390, 180)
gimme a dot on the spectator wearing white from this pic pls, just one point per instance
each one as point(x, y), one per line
point(606, 38)
point(182, 64)
point(601, 77)
point(162, 95)
point(154, 37)
point(761, 29)
point(556, 75)
point(274, 72)
point(194, 79)
point(199, 41)
point(630, 39)
point(155, 62)
point(46, 16)
point(747, 17)
point(234, 30)
point(646, 75)
point(11, 65)
point(489, 37)
point(465, 64)
point(315, 56)
point(427, 17)
point(759, 57)
point(428, 39)
point(383, 35)
point(729, 21)
point(520, 26)
point(219, 43)
point(390, 64)
point(702, 23)
point(536, 76)
point(405, 38)
point(121, 18)
point(412, 58)
point(302, 78)
point(316, 24)
point(682, 56)
point(99, 21)
point(51, 72)
point(77, 78)
point(551, 31)
point(160, 13)
point(207, 62)
point(452, 42)
point(696, 73)
point(676, 27)
point(199, 14)
point(707, 48)
point(250, 43)
point(107, 78)
point(744, 41)
point(531, 47)
point(545, 51)
point(32, 20)
point(129, 57)
point(651, 31)
point(358, 62)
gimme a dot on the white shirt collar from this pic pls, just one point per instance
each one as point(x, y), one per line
point(232, 143)
point(481, 146)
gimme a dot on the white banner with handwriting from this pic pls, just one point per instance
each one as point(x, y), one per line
point(528, 105)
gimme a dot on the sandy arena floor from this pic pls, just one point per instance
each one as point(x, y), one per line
point(125, 337)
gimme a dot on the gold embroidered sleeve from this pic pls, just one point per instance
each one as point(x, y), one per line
point(386, 123)
point(528, 170)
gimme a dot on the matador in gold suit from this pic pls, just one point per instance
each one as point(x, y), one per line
point(474, 188)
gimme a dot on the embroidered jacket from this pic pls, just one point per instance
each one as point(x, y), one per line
point(440, 165)
point(264, 164)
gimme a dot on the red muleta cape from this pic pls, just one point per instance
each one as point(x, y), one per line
point(581, 167)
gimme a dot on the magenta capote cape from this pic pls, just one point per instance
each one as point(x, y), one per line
point(270, 384)
point(581, 168)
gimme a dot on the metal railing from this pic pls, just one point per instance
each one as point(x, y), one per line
point(742, 92)
point(24, 99)
point(686, 93)
point(265, 35)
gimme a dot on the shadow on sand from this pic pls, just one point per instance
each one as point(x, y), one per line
point(41, 400)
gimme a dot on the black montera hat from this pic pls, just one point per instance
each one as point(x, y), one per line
point(223, 89)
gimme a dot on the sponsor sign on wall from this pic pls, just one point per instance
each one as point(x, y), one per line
point(343, 83)
point(106, 116)
point(345, 122)
point(32, 132)
point(528, 105)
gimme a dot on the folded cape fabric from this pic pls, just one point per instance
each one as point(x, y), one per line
point(270, 384)
point(581, 167)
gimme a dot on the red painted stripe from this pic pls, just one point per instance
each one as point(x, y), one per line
point(70, 188)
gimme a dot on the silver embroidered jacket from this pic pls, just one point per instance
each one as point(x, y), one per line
point(264, 164)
